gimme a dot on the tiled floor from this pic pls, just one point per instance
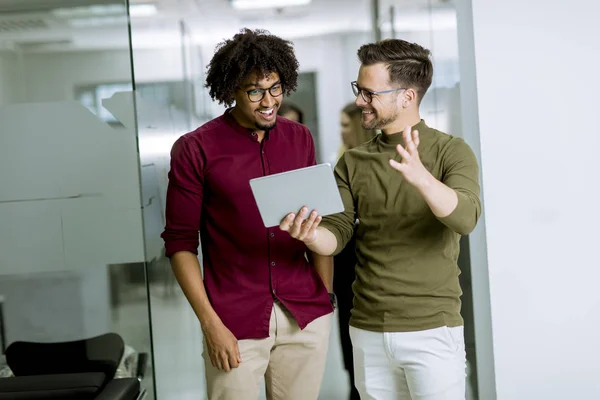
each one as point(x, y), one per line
point(178, 349)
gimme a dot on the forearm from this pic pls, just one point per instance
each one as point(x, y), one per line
point(324, 267)
point(324, 243)
point(186, 269)
point(441, 199)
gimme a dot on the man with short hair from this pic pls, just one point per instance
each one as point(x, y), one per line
point(264, 308)
point(414, 191)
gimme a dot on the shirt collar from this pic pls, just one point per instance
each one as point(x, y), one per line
point(397, 138)
point(247, 132)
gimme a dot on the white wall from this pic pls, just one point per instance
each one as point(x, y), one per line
point(7, 76)
point(326, 57)
point(536, 94)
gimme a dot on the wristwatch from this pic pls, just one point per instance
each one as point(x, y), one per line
point(333, 300)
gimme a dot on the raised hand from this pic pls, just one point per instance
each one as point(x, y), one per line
point(300, 228)
point(411, 167)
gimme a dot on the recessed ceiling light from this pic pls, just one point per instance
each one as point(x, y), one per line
point(135, 10)
point(261, 4)
point(142, 10)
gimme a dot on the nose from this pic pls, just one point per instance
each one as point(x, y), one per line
point(360, 101)
point(268, 101)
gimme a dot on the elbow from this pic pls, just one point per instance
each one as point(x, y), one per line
point(465, 229)
point(468, 212)
point(468, 224)
point(341, 242)
point(328, 242)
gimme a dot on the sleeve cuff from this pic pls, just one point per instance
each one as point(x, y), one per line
point(462, 219)
point(174, 247)
point(338, 237)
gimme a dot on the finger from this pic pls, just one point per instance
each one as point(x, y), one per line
point(233, 360)
point(237, 354)
point(215, 361)
point(314, 227)
point(287, 222)
point(402, 152)
point(409, 144)
point(406, 135)
point(297, 226)
point(397, 166)
point(225, 362)
point(415, 137)
point(307, 225)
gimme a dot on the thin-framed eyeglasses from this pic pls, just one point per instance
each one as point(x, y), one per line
point(256, 95)
point(367, 95)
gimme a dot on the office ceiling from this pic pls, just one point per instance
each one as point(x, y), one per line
point(33, 26)
point(40, 5)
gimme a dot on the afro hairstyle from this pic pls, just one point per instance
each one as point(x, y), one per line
point(249, 51)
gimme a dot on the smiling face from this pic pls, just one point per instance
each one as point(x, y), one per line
point(384, 109)
point(258, 114)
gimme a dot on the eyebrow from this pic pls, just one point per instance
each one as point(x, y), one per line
point(365, 88)
point(255, 85)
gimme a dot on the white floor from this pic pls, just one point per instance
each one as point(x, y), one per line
point(178, 349)
point(179, 363)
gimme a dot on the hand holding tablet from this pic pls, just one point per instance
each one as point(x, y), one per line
point(311, 188)
point(301, 227)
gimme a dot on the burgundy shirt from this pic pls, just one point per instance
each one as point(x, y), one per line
point(246, 266)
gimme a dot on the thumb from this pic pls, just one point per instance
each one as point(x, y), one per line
point(287, 222)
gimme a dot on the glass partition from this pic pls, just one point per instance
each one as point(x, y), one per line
point(71, 237)
point(168, 102)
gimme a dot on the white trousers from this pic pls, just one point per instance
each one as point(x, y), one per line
point(422, 365)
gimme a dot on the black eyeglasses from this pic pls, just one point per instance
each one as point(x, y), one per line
point(367, 95)
point(256, 95)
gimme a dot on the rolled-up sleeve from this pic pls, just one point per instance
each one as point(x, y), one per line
point(342, 224)
point(461, 173)
point(184, 198)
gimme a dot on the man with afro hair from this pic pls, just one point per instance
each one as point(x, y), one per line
point(265, 310)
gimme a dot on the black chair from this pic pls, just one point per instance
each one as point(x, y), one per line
point(82, 370)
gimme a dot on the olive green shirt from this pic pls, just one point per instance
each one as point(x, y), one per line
point(407, 272)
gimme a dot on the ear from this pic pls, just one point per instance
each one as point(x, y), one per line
point(402, 100)
point(410, 96)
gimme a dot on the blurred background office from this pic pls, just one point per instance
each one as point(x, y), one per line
point(94, 92)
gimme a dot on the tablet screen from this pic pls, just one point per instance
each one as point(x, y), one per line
point(278, 195)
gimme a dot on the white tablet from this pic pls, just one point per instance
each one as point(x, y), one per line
point(278, 195)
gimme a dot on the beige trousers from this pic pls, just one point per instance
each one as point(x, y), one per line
point(291, 360)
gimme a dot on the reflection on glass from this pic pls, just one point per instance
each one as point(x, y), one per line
point(168, 103)
point(71, 236)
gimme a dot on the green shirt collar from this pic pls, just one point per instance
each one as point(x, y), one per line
point(397, 138)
